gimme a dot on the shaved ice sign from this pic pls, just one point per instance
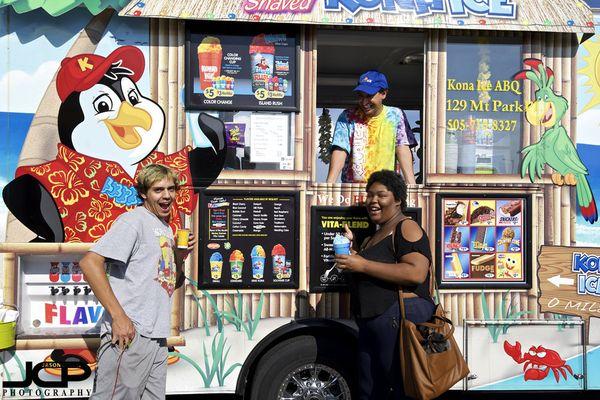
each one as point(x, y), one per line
point(456, 8)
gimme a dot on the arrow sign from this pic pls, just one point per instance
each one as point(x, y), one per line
point(558, 284)
point(557, 281)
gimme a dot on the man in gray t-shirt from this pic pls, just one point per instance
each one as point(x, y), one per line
point(143, 266)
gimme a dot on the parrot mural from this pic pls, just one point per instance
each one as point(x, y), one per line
point(555, 148)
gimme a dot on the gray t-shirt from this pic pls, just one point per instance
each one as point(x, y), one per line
point(141, 270)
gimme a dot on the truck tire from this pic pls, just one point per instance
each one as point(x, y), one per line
point(304, 368)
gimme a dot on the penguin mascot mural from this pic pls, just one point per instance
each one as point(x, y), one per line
point(108, 131)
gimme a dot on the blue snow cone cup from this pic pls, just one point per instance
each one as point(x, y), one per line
point(341, 245)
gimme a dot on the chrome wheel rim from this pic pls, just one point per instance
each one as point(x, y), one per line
point(314, 382)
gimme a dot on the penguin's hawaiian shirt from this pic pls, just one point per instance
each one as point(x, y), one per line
point(91, 193)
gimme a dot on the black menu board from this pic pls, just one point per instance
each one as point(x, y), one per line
point(326, 222)
point(248, 240)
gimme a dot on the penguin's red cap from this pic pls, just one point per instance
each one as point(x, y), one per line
point(83, 71)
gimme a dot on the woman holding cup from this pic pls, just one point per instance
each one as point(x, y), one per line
point(397, 256)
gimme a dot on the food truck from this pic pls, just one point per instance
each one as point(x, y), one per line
point(504, 99)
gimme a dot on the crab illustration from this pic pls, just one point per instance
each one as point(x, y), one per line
point(538, 361)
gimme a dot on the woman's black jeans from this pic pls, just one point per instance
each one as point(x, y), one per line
point(379, 376)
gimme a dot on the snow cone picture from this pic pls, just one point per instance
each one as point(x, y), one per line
point(258, 262)
point(278, 254)
point(262, 55)
point(216, 266)
point(236, 262)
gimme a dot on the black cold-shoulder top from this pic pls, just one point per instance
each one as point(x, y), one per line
point(371, 296)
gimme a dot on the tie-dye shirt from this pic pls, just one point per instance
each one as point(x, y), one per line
point(371, 145)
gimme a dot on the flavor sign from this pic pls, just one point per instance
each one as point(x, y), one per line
point(249, 240)
point(247, 69)
point(569, 280)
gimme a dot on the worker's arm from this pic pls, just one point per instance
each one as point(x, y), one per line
point(404, 156)
point(338, 159)
point(92, 266)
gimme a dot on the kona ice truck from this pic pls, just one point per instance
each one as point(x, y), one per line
point(240, 98)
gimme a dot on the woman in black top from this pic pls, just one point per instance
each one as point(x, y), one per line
point(396, 256)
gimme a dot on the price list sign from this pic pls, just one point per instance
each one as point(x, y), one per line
point(249, 240)
point(483, 242)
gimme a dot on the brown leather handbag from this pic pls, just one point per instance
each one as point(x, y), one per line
point(430, 359)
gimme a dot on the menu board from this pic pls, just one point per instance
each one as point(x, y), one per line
point(483, 241)
point(248, 240)
point(241, 68)
point(326, 222)
point(55, 298)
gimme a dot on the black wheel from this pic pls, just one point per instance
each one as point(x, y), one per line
point(304, 368)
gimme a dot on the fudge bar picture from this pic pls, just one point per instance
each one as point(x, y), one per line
point(455, 212)
point(483, 266)
point(509, 212)
point(483, 212)
point(456, 238)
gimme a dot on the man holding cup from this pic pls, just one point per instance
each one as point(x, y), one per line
point(144, 267)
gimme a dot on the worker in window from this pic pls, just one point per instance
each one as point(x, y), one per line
point(370, 136)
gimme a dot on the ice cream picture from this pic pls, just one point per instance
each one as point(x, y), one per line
point(455, 213)
point(210, 55)
point(216, 266)
point(262, 59)
point(279, 268)
point(483, 212)
point(236, 263)
point(258, 262)
point(341, 245)
point(508, 234)
point(455, 264)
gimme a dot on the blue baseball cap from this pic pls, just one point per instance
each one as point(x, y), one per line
point(371, 82)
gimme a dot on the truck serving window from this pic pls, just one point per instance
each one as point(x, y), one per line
point(342, 56)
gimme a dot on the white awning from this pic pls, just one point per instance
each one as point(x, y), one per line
point(505, 15)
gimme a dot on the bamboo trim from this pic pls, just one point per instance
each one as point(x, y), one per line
point(45, 248)
point(440, 122)
point(183, 138)
point(565, 215)
point(293, 176)
point(573, 217)
point(162, 76)
point(486, 180)
point(153, 62)
point(77, 343)
point(173, 87)
point(527, 93)
point(548, 218)
point(431, 116)
point(556, 222)
point(304, 244)
point(9, 289)
point(536, 53)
